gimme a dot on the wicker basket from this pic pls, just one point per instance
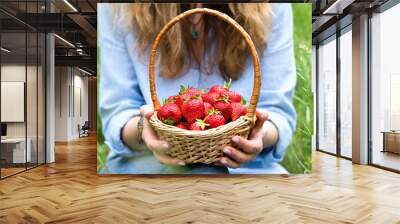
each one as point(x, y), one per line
point(203, 146)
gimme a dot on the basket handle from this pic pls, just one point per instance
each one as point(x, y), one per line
point(257, 79)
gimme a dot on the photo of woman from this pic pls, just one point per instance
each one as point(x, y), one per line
point(198, 52)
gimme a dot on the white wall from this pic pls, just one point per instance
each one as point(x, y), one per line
point(62, 81)
point(79, 111)
point(71, 102)
point(15, 72)
point(13, 101)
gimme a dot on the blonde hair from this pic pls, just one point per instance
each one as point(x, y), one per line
point(231, 54)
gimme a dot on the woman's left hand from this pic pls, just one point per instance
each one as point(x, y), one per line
point(247, 149)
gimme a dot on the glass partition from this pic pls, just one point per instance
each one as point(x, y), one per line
point(385, 89)
point(346, 93)
point(14, 153)
point(22, 77)
point(32, 96)
point(327, 96)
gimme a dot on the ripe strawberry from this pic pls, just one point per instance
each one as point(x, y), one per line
point(234, 96)
point(210, 97)
point(207, 107)
point(179, 101)
point(190, 91)
point(218, 89)
point(238, 110)
point(221, 89)
point(169, 113)
point(170, 99)
point(182, 125)
point(198, 125)
point(224, 106)
point(194, 91)
point(214, 119)
point(186, 96)
point(192, 110)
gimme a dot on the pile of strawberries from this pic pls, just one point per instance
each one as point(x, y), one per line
point(194, 109)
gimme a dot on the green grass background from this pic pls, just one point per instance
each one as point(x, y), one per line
point(298, 155)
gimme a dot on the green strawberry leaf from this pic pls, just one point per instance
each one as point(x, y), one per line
point(213, 111)
point(223, 98)
point(244, 102)
point(195, 97)
point(227, 85)
point(182, 89)
point(201, 123)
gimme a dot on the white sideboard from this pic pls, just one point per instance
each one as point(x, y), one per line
point(18, 147)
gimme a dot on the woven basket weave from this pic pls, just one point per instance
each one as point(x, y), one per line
point(203, 146)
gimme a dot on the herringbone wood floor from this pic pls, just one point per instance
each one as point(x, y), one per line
point(70, 191)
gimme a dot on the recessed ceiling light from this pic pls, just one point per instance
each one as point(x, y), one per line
point(84, 71)
point(65, 41)
point(337, 7)
point(70, 5)
point(5, 50)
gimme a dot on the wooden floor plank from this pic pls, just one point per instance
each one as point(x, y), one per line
point(70, 191)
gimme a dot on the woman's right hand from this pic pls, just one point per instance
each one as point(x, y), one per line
point(153, 143)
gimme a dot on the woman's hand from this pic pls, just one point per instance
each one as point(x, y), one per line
point(153, 143)
point(248, 149)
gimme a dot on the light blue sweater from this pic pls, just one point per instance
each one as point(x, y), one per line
point(124, 88)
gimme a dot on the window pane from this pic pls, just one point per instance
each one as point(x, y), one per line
point(386, 89)
point(346, 93)
point(327, 97)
